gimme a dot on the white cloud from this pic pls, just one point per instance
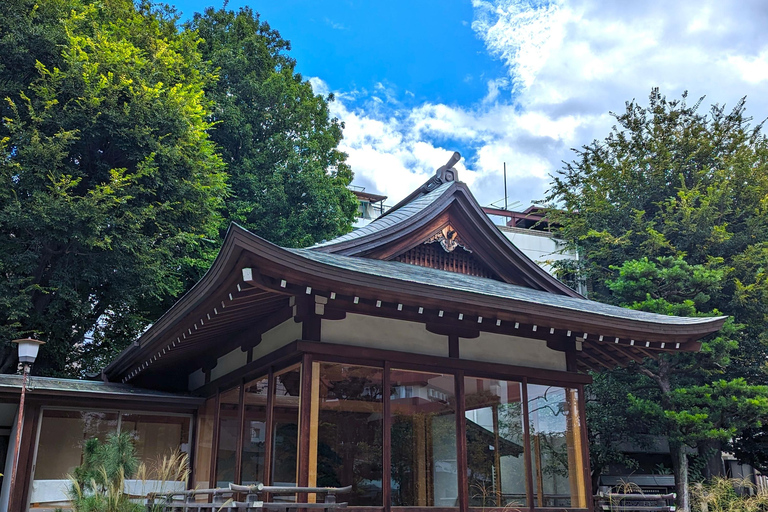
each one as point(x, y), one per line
point(569, 64)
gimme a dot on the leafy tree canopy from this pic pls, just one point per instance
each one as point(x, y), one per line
point(288, 181)
point(128, 145)
point(668, 212)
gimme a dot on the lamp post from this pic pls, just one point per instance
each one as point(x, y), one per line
point(28, 349)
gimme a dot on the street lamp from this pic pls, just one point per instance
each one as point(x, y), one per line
point(28, 349)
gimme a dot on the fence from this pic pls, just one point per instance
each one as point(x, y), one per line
point(614, 502)
point(244, 498)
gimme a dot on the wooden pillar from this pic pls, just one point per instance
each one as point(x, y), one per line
point(314, 418)
point(586, 463)
point(574, 446)
point(215, 441)
point(496, 455)
point(420, 459)
point(386, 469)
point(240, 432)
point(461, 443)
point(527, 442)
point(20, 497)
point(305, 418)
point(270, 428)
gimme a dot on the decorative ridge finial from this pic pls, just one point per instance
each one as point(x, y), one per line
point(447, 172)
point(444, 174)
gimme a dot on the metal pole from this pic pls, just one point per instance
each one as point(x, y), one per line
point(19, 423)
point(506, 206)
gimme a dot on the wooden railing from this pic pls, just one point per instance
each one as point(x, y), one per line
point(244, 498)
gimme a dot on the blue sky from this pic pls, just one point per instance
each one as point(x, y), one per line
point(515, 81)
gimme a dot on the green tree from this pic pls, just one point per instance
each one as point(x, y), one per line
point(110, 184)
point(668, 214)
point(287, 177)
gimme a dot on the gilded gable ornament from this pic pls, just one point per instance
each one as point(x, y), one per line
point(449, 239)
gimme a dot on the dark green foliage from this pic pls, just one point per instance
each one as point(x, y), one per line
point(113, 195)
point(106, 463)
point(288, 180)
point(669, 215)
point(97, 484)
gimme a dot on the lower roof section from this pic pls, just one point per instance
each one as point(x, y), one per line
point(88, 390)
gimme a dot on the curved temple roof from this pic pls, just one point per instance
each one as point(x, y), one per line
point(614, 335)
point(248, 287)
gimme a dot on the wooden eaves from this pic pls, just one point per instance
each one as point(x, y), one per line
point(224, 310)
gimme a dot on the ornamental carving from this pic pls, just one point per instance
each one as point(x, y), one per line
point(449, 239)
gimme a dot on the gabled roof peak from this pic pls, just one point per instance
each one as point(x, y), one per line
point(443, 175)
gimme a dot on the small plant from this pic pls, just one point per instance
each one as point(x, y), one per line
point(719, 495)
point(164, 472)
point(97, 484)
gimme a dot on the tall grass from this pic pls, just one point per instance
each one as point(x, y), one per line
point(719, 495)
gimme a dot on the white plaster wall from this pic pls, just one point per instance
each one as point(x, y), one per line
point(384, 333)
point(229, 362)
point(271, 340)
point(499, 348)
point(277, 337)
point(196, 379)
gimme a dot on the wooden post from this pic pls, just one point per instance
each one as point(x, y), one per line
point(461, 443)
point(496, 455)
point(314, 419)
point(527, 443)
point(240, 433)
point(19, 423)
point(305, 412)
point(386, 469)
point(270, 428)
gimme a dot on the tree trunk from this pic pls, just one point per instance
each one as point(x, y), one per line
point(680, 469)
point(711, 449)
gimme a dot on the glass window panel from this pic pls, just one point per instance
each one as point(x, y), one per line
point(255, 431)
point(62, 436)
point(286, 427)
point(156, 436)
point(229, 425)
point(556, 449)
point(423, 430)
point(495, 446)
point(204, 444)
point(349, 447)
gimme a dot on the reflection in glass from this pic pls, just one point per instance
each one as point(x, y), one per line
point(62, 436)
point(424, 471)
point(349, 447)
point(286, 426)
point(156, 436)
point(204, 444)
point(228, 428)
point(255, 431)
point(495, 453)
point(556, 449)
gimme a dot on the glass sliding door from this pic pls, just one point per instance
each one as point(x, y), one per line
point(286, 426)
point(229, 427)
point(255, 432)
point(495, 446)
point(556, 447)
point(349, 431)
point(204, 444)
point(423, 432)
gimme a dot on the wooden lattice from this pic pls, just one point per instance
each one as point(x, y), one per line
point(434, 256)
